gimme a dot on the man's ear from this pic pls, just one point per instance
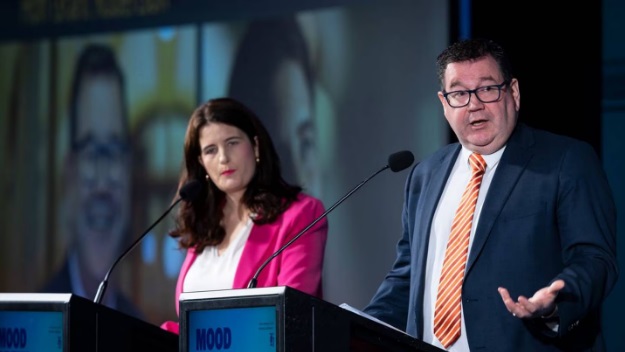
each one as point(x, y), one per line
point(516, 93)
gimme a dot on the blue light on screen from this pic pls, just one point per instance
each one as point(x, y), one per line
point(31, 331)
point(233, 329)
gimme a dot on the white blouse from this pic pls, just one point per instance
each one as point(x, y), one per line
point(214, 271)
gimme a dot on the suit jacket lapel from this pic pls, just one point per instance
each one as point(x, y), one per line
point(512, 164)
point(425, 215)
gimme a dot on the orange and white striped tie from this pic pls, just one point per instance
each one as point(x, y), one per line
point(447, 309)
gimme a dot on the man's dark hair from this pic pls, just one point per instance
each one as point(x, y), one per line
point(473, 49)
point(94, 60)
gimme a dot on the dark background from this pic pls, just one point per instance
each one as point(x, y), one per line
point(557, 53)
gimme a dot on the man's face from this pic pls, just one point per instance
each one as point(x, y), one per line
point(481, 127)
point(101, 209)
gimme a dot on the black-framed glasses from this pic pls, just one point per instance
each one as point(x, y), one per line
point(486, 94)
point(101, 159)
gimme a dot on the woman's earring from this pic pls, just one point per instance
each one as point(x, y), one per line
point(207, 178)
point(257, 160)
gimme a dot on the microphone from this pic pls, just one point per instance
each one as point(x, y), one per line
point(396, 162)
point(189, 192)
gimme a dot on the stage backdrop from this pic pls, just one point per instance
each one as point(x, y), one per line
point(341, 87)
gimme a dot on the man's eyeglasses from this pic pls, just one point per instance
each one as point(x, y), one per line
point(101, 159)
point(486, 94)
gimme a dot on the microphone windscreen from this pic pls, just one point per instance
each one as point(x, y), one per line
point(400, 160)
point(191, 190)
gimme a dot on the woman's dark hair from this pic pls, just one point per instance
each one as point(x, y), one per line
point(267, 195)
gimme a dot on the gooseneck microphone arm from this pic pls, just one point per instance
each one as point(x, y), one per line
point(188, 192)
point(104, 283)
point(397, 162)
point(254, 279)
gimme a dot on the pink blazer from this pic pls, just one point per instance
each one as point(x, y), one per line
point(299, 266)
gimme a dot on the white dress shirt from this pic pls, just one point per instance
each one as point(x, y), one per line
point(214, 271)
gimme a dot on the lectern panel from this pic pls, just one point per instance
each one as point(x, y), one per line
point(301, 322)
point(49, 322)
point(234, 329)
point(33, 322)
point(31, 331)
point(217, 320)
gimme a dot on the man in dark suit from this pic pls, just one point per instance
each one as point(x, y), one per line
point(538, 258)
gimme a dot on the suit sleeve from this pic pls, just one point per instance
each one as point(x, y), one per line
point(586, 218)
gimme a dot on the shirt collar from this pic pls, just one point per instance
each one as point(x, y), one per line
point(491, 159)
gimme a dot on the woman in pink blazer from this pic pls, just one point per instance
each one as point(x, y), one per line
point(246, 211)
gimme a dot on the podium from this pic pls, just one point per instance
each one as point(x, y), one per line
point(281, 319)
point(65, 322)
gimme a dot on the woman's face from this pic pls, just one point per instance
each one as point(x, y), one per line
point(228, 156)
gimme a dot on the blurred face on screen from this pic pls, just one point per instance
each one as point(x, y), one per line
point(297, 124)
point(100, 212)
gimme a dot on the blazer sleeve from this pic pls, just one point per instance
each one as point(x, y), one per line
point(301, 264)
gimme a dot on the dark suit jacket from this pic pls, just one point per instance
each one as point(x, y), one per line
point(549, 214)
point(62, 283)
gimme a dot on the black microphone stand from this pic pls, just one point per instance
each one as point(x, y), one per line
point(104, 283)
point(254, 281)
